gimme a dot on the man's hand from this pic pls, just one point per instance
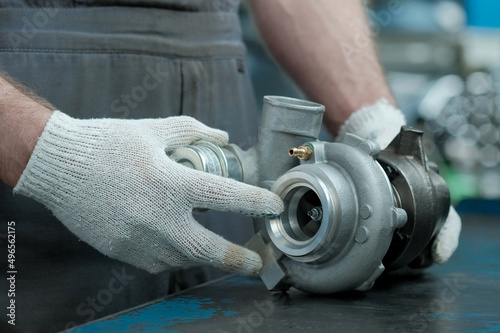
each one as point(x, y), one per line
point(381, 122)
point(111, 183)
point(326, 47)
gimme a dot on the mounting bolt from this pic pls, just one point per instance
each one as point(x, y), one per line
point(365, 212)
point(303, 152)
point(361, 235)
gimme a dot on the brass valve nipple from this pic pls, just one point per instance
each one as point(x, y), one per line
point(303, 152)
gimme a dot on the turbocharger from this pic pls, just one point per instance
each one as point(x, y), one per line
point(351, 210)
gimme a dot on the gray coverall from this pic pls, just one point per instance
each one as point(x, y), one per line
point(116, 59)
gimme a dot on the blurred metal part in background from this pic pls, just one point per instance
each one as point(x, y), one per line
point(466, 129)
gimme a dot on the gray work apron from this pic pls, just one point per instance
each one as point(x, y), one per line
point(134, 60)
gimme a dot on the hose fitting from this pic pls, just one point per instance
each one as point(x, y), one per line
point(304, 152)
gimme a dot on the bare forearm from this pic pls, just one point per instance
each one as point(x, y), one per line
point(325, 46)
point(22, 119)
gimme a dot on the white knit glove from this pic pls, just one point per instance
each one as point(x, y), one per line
point(111, 183)
point(381, 122)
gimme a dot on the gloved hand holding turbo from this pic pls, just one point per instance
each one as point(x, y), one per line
point(111, 183)
point(350, 209)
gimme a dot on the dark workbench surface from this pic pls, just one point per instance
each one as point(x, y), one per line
point(460, 296)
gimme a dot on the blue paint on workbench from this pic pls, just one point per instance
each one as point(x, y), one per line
point(227, 301)
point(491, 321)
point(453, 316)
point(244, 280)
point(158, 316)
point(490, 329)
point(230, 313)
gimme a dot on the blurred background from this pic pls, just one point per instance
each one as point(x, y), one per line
point(442, 59)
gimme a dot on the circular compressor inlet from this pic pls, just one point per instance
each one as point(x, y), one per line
point(305, 228)
point(305, 212)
